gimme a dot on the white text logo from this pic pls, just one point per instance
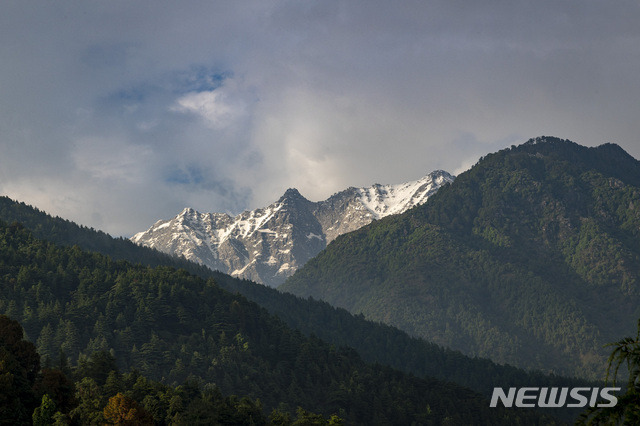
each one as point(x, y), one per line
point(554, 397)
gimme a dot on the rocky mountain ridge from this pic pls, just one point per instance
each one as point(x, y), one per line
point(269, 244)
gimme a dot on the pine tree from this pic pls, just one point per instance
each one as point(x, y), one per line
point(627, 410)
point(43, 415)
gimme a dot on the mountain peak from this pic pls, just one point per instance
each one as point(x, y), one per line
point(546, 139)
point(292, 194)
point(270, 243)
point(539, 219)
point(440, 176)
point(187, 213)
point(608, 158)
point(439, 172)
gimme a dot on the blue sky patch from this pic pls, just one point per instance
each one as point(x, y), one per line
point(191, 175)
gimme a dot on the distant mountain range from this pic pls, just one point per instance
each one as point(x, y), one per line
point(269, 244)
point(169, 324)
point(180, 329)
point(532, 257)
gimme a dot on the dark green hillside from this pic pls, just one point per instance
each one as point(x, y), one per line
point(532, 257)
point(375, 342)
point(172, 326)
point(64, 232)
point(95, 392)
point(381, 343)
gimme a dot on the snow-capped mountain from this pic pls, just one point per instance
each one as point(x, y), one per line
point(268, 245)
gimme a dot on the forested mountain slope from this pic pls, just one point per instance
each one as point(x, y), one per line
point(375, 342)
point(64, 232)
point(95, 392)
point(532, 257)
point(171, 326)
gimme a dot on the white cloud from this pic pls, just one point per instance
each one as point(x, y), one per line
point(218, 107)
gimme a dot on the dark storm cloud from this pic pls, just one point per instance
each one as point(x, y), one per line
point(116, 114)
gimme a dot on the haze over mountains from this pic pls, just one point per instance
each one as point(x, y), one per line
point(269, 244)
point(532, 257)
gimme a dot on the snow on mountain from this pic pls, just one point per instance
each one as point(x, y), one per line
point(268, 245)
point(385, 200)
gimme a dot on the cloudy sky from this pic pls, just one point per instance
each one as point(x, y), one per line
point(117, 113)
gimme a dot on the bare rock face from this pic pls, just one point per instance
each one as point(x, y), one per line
point(268, 245)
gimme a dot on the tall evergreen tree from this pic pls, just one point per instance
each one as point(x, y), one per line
point(19, 366)
point(626, 353)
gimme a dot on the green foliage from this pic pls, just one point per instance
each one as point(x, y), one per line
point(66, 233)
point(124, 399)
point(380, 343)
point(625, 352)
point(530, 258)
point(175, 327)
point(91, 401)
point(43, 415)
point(58, 386)
point(19, 366)
point(375, 342)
